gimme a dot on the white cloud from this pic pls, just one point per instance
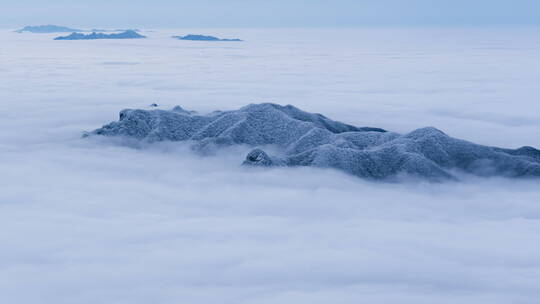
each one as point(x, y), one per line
point(94, 221)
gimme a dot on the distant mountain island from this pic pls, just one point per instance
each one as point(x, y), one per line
point(44, 29)
point(129, 34)
point(203, 38)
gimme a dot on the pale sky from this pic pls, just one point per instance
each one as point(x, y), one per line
point(265, 13)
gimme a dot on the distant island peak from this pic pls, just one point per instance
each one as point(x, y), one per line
point(44, 29)
point(129, 34)
point(50, 28)
point(193, 37)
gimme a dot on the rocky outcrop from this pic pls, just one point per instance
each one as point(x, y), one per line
point(307, 139)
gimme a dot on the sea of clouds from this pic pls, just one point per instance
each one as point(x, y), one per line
point(92, 220)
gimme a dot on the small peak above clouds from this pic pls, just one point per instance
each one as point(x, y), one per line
point(47, 29)
point(129, 34)
point(204, 38)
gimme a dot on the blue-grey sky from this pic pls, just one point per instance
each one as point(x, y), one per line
point(269, 13)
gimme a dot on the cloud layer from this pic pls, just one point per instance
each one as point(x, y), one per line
point(94, 220)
